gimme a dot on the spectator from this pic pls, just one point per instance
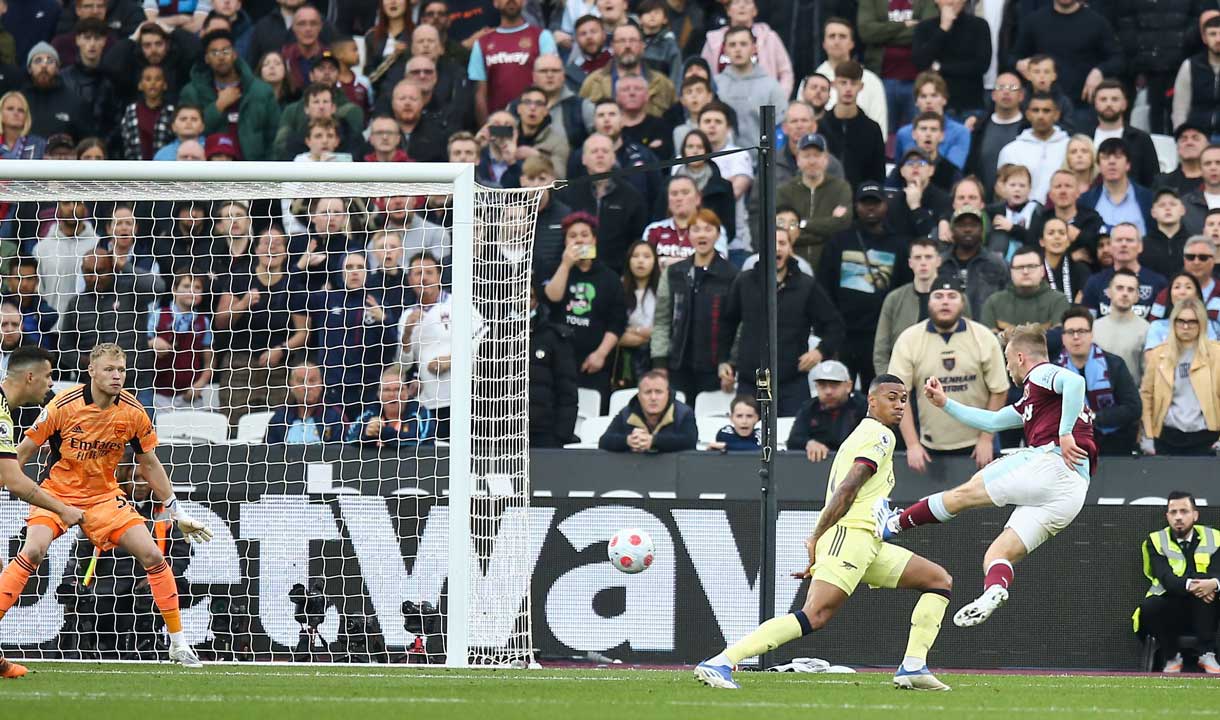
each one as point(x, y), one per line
point(851, 135)
point(231, 227)
point(15, 121)
point(54, 106)
point(817, 90)
point(825, 421)
point(1028, 299)
point(1182, 595)
point(803, 309)
point(1181, 388)
point(1013, 213)
point(187, 126)
point(887, 28)
point(243, 108)
point(824, 203)
point(799, 121)
point(502, 60)
point(1188, 175)
point(907, 304)
point(958, 46)
point(423, 136)
point(304, 48)
point(60, 146)
point(125, 248)
point(690, 296)
point(354, 85)
point(632, 357)
point(191, 150)
point(1081, 161)
point(696, 94)
point(1181, 286)
point(1206, 196)
point(396, 419)
point(180, 336)
point(859, 267)
point(553, 395)
point(742, 433)
point(631, 96)
point(38, 318)
point(65, 43)
point(29, 22)
point(1110, 391)
point(980, 272)
point(1166, 240)
point(838, 40)
point(661, 52)
point(628, 46)
point(992, 132)
point(1064, 275)
point(916, 205)
point(1081, 42)
point(613, 200)
point(146, 123)
point(187, 15)
point(383, 139)
point(425, 293)
point(567, 16)
point(568, 110)
point(588, 297)
point(320, 99)
point(1195, 101)
point(670, 237)
point(592, 52)
point(451, 103)
point(1117, 199)
point(548, 233)
point(772, 55)
point(653, 422)
point(785, 219)
point(1199, 255)
point(388, 44)
point(1042, 147)
point(539, 136)
point(1084, 224)
point(260, 319)
point(966, 357)
point(270, 69)
point(932, 96)
point(430, 343)
point(10, 335)
point(928, 134)
point(152, 44)
point(1125, 245)
point(1122, 332)
point(87, 79)
point(305, 419)
point(1110, 104)
point(499, 162)
point(403, 215)
point(387, 276)
point(64, 242)
point(744, 85)
point(240, 23)
point(112, 308)
point(458, 46)
point(737, 168)
point(91, 149)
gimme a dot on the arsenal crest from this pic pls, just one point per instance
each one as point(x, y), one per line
point(120, 430)
point(949, 363)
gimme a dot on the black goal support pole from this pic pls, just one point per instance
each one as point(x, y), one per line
point(768, 369)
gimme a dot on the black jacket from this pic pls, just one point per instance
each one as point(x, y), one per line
point(553, 393)
point(858, 144)
point(428, 142)
point(1153, 33)
point(124, 62)
point(717, 196)
point(858, 283)
point(998, 241)
point(592, 305)
point(675, 431)
point(922, 221)
point(1145, 167)
point(621, 216)
point(829, 427)
point(270, 33)
point(944, 176)
point(1087, 220)
point(964, 53)
point(59, 109)
point(1164, 254)
point(697, 299)
point(802, 306)
point(1174, 584)
point(548, 237)
point(96, 91)
point(1079, 42)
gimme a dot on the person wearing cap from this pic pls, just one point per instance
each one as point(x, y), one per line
point(1206, 195)
point(60, 146)
point(967, 360)
point(235, 101)
point(1188, 175)
point(54, 107)
point(850, 134)
point(1195, 98)
point(823, 202)
point(1042, 147)
point(982, 272)
point(826, 420)
point(907, 305)
point(1118, 199)
point(1166, 238)
point(1029, 299)
point(860, 265)
point(915, 204)
point(220, 147)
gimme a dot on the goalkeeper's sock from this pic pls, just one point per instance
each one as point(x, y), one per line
point(13, 580)
point(767, 637)
point(925, 512)
point(165, 594)
point(999, 572)
point(925, 625)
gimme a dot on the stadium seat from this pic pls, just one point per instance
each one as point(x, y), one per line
point(716, 403)
point(708, 427)
point(591, 431)
point(588, 402)
point(192, 426)
point(252, 428)
point(1166, 152)
point(620, 398)
point(783, 428)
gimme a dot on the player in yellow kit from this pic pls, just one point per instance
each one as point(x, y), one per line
point(845, 549)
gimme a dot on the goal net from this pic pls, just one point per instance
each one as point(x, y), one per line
point(335, 357)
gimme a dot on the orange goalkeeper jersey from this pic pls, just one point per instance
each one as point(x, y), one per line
point(87, 443)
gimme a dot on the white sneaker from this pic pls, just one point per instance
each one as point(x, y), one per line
point(977, 612)
point(921, 679)
point(185, 656)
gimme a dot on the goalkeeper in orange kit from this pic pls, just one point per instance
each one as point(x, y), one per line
point(87, 428)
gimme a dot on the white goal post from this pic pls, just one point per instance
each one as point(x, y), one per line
point(482, 395)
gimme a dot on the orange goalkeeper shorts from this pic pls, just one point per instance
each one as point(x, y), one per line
point(105, 521)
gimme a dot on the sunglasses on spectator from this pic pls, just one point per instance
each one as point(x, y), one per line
point(1197, 257)
point(421, 71)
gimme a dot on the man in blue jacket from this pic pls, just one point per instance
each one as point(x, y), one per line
point(653, 422)
point(305, 419)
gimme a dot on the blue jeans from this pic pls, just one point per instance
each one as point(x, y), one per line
point(900, 99)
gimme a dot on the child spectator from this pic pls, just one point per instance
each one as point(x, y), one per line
point(352, 83)
point(1043, 77)
point(187, 125)
point(742, 434)
point(661, 51)
point(180, 334)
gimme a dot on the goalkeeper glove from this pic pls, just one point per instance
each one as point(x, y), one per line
point(193, 530)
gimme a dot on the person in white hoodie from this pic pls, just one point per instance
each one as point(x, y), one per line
point(744, 86)
point(1041, 148)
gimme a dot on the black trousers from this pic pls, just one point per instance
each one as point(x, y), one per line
point(857, 354)
point(1165, 617)
point(789, 396)
point(1175, 442)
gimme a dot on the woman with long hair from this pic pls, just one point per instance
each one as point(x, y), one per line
point(15, 123)
point(388, 43)
point(1064, 274)
point(1081, 160)
point(640, 277)
point(1181, 387)
point(91, 148)
point(1181, 286)
point(716, 192)
point(272, 70)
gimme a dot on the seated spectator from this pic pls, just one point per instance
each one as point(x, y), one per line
point(1027, 299)
point(395, 419)
point(1188, 175)
point(612, 200)
point(958, 45)
point(742, 433)
point(654, 421)
point(932, 96)
point(187, 125)
point(1181, 388)
point(804, 309)
point(1166, 238)
point(1042, 148)
point(270, 69)
point(1199, 257)
point(1012, 213)
point(640, 277)
point(1081, 161)
point(851, 135)
point(38, 318)
point(1064, 275)
point(305, 419)
point(772, 53)
point(54, 106)
point(1181, 599)
point(981, 271)
point(824, 422)
point(10, 335)
point(89, 81)
point(1122, 332)
point(976, 376)
point(1084, 224)
point(538, 133)
point(823, 202)
point(553, 395)
point(744, 85)
point(15, 122)
point(838, 41)
point(1200, 111)
point(244, 107)
point(180, 336)
point(1125, 246)
point(62, 244)
point(1110, 391)
point(1117, 199)
point(907, 304)
point(1181, 286)
point(915, 205)
point(628, 53)
point(146, 123)
point(499, 162)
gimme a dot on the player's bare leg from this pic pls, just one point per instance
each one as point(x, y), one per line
point(937, 586)
point(938, 508)
point(139, 542)
point(14, 578)
point(1005, 552)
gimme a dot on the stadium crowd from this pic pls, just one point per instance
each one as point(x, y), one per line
point(947, 171)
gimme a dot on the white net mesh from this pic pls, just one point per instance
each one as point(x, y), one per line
point(295, 344)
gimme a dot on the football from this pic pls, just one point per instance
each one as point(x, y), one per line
point(631, 551)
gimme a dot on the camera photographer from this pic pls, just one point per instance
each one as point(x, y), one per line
point(499, 165)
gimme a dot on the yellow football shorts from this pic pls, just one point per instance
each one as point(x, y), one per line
point(847, 556)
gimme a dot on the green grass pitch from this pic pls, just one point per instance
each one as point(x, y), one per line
point(220, 692)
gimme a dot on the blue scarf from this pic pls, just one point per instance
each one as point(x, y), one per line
point(1098, 391)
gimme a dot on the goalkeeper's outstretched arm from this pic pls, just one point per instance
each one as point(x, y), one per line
point(154, 474)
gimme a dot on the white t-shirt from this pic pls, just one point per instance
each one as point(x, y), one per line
point(1213, 201)
point(1100, 135)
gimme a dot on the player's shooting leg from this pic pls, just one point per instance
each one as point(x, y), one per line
point(937, 585)
point(38, 539)
point(141, 545)
point(968, 496)
point(822, 602)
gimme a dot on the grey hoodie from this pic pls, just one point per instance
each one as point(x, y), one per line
point(745, 94)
